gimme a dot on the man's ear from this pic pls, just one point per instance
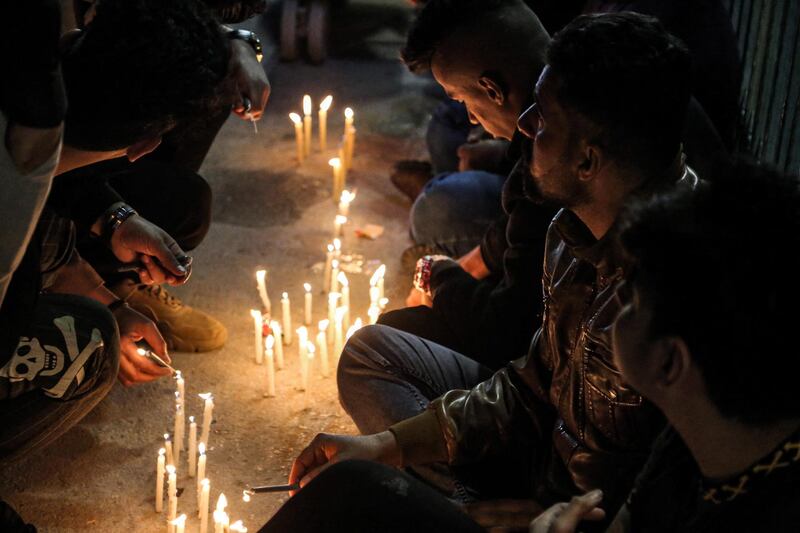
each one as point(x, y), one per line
point(592, 160)
point(675, 362)
point(142, 148)
point(494, 89)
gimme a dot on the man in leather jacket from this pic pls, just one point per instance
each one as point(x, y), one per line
point(606, 127)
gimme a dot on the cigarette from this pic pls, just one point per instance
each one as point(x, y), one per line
point(272, 488)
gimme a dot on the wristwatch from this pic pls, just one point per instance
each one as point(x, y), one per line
point(114, 219)
point(250, 38)
point(422, 274)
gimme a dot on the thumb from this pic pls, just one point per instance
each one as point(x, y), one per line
point(153, 337)
point(580, 508)
point(167, 252)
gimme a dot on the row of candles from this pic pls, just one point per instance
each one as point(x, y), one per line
point(303, 133)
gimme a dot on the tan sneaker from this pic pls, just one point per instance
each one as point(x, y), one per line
point(184, 328)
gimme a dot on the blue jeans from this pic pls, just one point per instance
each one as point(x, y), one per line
point(447, 130)
point(454, 210)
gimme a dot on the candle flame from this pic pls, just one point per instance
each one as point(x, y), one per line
point(358, 323)
point(330, 248)
point(285, 296)
point(306, 105)
point(201, 448)
point(379, 273)
point(326, 103)
point(302, 331)
point(335, 162)
point(178, 375)
point(383, 302)
point(323, 324)
point(245, 496)
point(205, 482)
point(337, 243)
point(261, 276)
point(270, 342)
point(340, 219)
point(335, 263)
point(256, 314)
point(206, 395)
point(166, 437)
point(310, 348)
point(180, 521)
point(191, 420)
point(307, 287)
point(295, 118)
point(222, 502)
point(162, 451)
point(170, 469)
point(348, 112)
point(342, 278)
point(346, 197)
point(238, 527)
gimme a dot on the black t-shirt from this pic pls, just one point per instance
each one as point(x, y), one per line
point(671, 494)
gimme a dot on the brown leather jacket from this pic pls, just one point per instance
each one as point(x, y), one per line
point(586, 428)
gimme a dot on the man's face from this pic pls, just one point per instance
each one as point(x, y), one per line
point(555, 157)
point(632, 342)
point(461, 83)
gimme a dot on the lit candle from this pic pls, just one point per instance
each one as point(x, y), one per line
point(349, 132)
point(178, 431)
point(349, 148)
point(179, 524)
point(336, 166)
point(307, 125)
point(298, 135)
point(308, 363)
point(307, 308)
point(326, 276)
point(335, 275)
point(377, 281)
point(172, 492)
point(302, 352)
point(261, 280)
point(333, 299)
point(258, 326)
point(383, 302)
point(342, 183)
point(245, 496)
point(374, 311)
point(205, 491)
point(238, 527)
point(345, 284)
point(323, 122)
point(201, 464)
point(160, 468)
point(221, 520)
point(338, 339)
point(287, 319)
point(208, 410)
point(277, 332)
point(338, 225)
point(192, 446)
point(374, 296)
point(270, 367)
point(181, 384)
point(168, 447)
point(337, 248)
point(352, 329)
point(322, 346)
point(344, 202)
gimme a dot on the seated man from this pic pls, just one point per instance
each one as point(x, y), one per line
point(712, 348)
point(606, 127)
point(64, 336)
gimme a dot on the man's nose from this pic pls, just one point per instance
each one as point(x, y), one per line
point(526, 123)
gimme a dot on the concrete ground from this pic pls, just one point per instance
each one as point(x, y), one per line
point(268, 213)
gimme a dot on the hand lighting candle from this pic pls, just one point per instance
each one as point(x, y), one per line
point(322, 347)
point(266, 304)
point(160, 469)
point(287, 319)
point(258, 327)
point(270, 367)
point(298, 135)
point(277, 333)
point(192, 446)
point(307, 306)
point(307, 125)
point(323, 122)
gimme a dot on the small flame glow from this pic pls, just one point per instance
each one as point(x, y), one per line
point(285, 296)
point(206, 396)
point(348, 112)
point(383, 302)
point(295, 118)
point(166, 437)
point(222, 502)
point(335, 263)
point(340, 312)
point(346, 197)
point(330, 248)
point(238, 527)
point(178, 375)
point(162, 451)
point(274, 326)
point(201, 448)
point(323, 324)
point(302, 331)
point(245, 497)
point(256, 314)
point(171, 470)
point(333, 296)
point(141, 351)
point(307, 287)
point(270, 342)
point(310, 348)
point(335, 162)
point(261, 276)
point(340, 219)
point(191, 420)
point(379, 273)
point(326, 103)
point(205, 482)
point(306, 105)
point(180, 521)
point(337, 244)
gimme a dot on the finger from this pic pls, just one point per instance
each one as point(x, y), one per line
point(310, 458)
point(144, 276)
point(156, 274)
point(139, 367)
point(167, 253)
point(313, 473)
point(575, 511)
point(544, 521)
point(129, 374)
point(156, 341)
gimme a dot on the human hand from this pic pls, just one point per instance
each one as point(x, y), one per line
point(503, 515)
point(416, 298)
point(250, 80)
point(163, 261)
point(327, 449)
point(482, 155)
point(472, 262)
point(565, 517)
point(133, 368)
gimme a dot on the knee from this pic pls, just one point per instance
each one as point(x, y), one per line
point(433, 208)
point(359, 356)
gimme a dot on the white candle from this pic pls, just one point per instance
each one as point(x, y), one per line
point(302, 352)
point(178, 431)
point(276, 332)
point(192, 446)
point(261, 281)
point(342, 278)
point(160, 468)
point(208, 411)
point(172, 492)
point(179, 524)
point(349, 133)
point(287, 319)
point(338, 225)
point(307, 125)
point(374, 296)
point(309, 363)
point(349, 149)
point(205, 491)
point(333, 299)
point(221, 520)
point(373, 313)
point(323, 122)
point(335, 275)
point(342, 183)
point(338, 340)
point(326, 275)
point(344, 202)
point(181, 384)
point(352, 329)
point(336, 166)
point(298, 135)
point(258, 327)
point(337, 248)
point(307, 307)
point(168, 447)
point(322, 347)
point(270, 367)
point(201, 464)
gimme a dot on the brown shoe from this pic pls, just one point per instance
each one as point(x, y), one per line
point(184, 328)
point(410, 177)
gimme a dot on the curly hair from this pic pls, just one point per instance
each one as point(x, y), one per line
point(629, 77)
point(139, 68)
point(719, 265)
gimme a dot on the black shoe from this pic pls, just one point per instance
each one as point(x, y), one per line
point(411, 176)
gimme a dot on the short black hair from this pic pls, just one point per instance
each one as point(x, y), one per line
point(140, 67)
point(436, 20)
point(720, 266)
point(630, 78)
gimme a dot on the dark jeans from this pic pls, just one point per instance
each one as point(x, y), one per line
point(364, 497)
point(424, 322)
point(74, 340)
point(447, 130)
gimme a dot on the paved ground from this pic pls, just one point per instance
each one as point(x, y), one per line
point(268, 213)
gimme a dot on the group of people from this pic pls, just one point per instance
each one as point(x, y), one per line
point(606, 356)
